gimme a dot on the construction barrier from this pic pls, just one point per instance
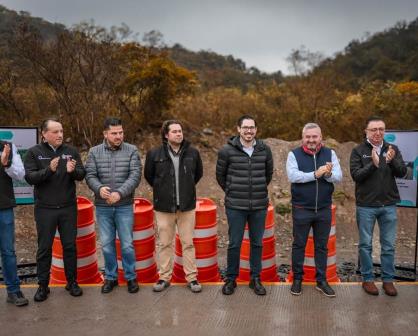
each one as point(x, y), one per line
point(205, 243)
point(144, 243)
point(268, 262)
point(309, 268)
point(87, 267)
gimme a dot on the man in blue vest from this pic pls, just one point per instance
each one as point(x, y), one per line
point(312, 169)
point(11, 167)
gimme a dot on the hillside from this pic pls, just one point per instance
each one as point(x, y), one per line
point(10, 20)
point(391, 55)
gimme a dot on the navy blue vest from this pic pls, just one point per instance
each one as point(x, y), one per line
point(315, 194)
point(7, 196)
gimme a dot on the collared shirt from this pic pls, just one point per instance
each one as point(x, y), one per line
point(297, 176)
point(52, 147)
point(248, 150)
point(377, 147)
point(175, 157)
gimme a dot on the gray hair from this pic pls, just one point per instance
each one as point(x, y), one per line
point(310, 126)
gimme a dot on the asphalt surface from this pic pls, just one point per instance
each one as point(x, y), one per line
point(177, 311)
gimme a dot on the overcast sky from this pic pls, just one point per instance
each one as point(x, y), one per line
point(262, 33)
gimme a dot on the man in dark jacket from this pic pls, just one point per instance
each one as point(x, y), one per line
point(243, 170)
point(11, 167)
point(374, 164)
point(312, 169)
point(53, 167)
point(173, 170)
point(113, 173)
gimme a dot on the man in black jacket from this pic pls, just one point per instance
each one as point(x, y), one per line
point(11, 167)
point(243, 170)
point(173, 170)
point(374, 164)
point(53, 167)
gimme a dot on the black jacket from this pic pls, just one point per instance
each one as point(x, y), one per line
point(376, 186)
point(159, 173)
point(53, 189)
point(244, 179)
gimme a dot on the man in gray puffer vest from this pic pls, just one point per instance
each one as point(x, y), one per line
point(113, 173)
point(243, 170)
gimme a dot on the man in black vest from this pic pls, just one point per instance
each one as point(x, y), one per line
point(243, 170)
point(11, 167)
point(312, 169)
point(53, 167)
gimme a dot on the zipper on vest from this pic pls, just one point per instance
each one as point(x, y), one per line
point(316, 181)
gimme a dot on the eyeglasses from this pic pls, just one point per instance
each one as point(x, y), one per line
point(374, 130)
point(248, 128)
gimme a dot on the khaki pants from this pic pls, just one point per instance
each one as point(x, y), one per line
point(166, 227)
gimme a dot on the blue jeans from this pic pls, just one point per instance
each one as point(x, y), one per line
point(386, 219)
point(110, 220)
point(236, 226)
point(8, 255)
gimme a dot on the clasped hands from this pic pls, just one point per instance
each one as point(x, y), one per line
point(111, 197)
point(325, 170)
point(390, 154)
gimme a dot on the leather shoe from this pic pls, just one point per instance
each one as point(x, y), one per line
point(109, 285)
point(325, 288)
point(74, 289)
point(389, 289)
point(370, 288)
point(133, 286)
point(257, 286)
point(41, 294)
point(229, 287)
point(296, 288)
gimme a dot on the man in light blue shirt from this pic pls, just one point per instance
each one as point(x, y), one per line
point(312, 169)
point(11, 167)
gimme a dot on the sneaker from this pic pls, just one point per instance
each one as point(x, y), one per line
point(17, 299)
point(133, 286)
point(229, 287)
point(109, 285)
point(257, 286)
point(194, 286)
point(74, 289)
point(160, 285)
point(296, 288)
point(389, 289)
point(370, 288)
point(42, 293)
point(325, 288)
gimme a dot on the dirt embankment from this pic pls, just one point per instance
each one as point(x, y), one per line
point(279, 195)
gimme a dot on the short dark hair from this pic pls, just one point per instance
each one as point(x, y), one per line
point(45, 123)
point(165, 128)
point(373, 118)
point(111, 121)
point(243, 117)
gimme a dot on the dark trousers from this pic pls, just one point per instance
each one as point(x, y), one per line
point(236, 226)
point(47, 221)
point(303, 220)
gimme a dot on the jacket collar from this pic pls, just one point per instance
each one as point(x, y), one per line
point(235, 142)
point(107, 146)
